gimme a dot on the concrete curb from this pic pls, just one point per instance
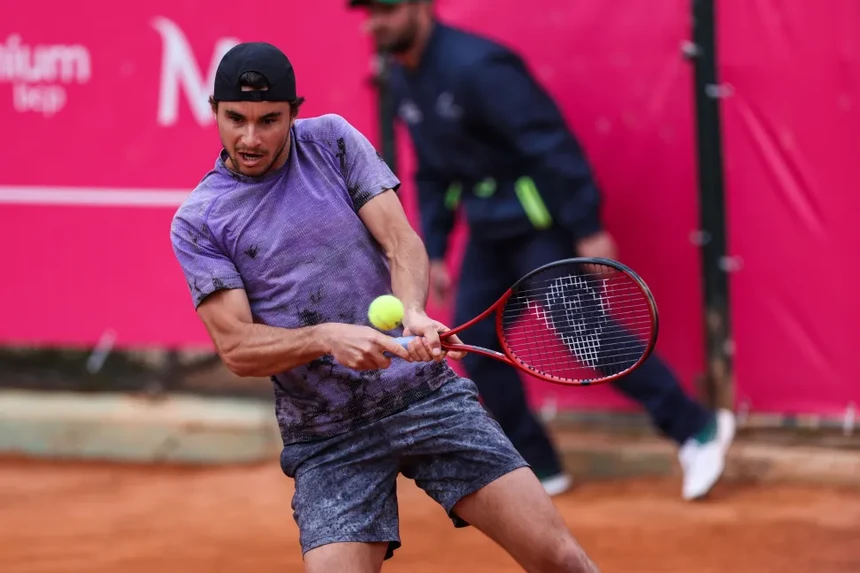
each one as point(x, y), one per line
point(756, 462)
point(203, 430)
point(593, 456)
point(122, 427)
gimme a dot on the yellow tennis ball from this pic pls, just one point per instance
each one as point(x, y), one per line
point(385, 312)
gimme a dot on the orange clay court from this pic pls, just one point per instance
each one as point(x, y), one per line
point(97, 518)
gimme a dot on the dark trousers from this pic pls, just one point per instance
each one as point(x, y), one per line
point(487, 272)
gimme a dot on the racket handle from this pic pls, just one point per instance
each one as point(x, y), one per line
point(402, 341)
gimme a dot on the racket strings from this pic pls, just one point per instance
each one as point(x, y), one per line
point(576, 323)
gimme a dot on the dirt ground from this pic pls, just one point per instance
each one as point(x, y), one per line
point(96, 518)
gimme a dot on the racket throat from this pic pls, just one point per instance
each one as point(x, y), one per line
point(477, 350)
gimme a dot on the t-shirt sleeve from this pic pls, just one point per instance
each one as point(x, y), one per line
point(205, 266)
point(365, 171)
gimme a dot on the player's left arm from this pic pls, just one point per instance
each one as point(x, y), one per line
point(372, 185)
point(506, 100)
point(372, 188)
point(385, 219)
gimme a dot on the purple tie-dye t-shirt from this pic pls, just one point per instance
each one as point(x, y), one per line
point(294, 241)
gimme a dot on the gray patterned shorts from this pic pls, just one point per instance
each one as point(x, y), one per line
point(345, 485)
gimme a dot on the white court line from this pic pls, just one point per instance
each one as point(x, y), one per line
point(91, 196)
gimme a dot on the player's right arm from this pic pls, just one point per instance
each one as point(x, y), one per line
point(251, 349)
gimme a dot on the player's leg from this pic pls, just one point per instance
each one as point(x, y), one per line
point(517, 514)
point(344, 502)
point(347, 557)
point(460, 456)
point(704, 437)
point(486, 274)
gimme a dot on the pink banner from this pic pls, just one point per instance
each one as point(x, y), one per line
point(112, 130)
point(791, 124)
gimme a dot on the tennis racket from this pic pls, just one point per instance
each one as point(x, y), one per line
point(579, 322)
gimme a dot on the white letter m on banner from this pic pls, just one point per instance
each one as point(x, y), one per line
point(179, 69)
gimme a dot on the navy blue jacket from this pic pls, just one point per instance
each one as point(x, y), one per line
point(487, 136)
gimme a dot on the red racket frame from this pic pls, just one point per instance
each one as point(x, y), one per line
point(508, 357)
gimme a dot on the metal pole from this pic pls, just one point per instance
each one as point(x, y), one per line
point(712, 235)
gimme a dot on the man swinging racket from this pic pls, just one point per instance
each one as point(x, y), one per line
point(284, 244)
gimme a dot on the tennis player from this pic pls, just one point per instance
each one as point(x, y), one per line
point(489, 139)
point(284, 244)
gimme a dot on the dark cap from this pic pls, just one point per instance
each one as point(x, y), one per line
point(260, 57)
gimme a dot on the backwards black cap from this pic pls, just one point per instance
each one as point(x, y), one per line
point(260, 57)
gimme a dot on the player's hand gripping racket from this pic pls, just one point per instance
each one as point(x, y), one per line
point(576, 321)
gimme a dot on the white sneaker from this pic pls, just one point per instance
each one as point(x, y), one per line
point(557, 484)
point(703, 463)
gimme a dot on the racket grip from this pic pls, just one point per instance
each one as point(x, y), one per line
point(402, 341)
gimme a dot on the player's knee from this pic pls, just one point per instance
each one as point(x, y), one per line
point(352, 557)
point(567, 557)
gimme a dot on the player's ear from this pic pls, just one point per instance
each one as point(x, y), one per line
point(295, 105)
point(213, 105)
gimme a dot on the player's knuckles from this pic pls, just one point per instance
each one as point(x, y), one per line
point(418, 347)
